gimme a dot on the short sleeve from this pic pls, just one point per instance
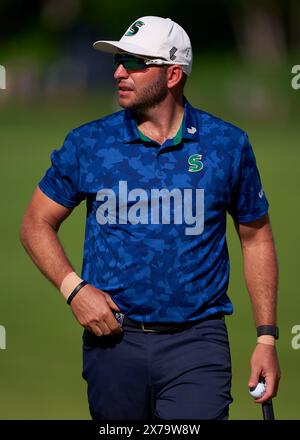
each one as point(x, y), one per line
point(61, 180)
point(248, 200)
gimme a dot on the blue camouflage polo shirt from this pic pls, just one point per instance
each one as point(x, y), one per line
point(156, 214)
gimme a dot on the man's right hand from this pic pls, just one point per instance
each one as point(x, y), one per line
point(92, 309)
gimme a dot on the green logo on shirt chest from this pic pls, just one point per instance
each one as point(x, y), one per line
point(195, 163)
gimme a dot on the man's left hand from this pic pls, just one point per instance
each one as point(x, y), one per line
point(264, 363)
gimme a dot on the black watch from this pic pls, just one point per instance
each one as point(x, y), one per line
point(271, 330)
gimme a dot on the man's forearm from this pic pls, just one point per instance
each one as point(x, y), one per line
point(42, 244)
point(261, 275)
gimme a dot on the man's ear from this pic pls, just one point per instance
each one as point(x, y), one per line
point(174, 75)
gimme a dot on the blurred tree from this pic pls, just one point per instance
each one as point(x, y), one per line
point(17, 16)
point(260, 33)
point(216, 24)
point(113, 17)
point(207, 22)
point(51, 39)
point(293, 24)
point(57, 14)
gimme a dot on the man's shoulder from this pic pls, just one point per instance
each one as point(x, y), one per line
point(210, 124)
point(101, 126)
point(210, 120)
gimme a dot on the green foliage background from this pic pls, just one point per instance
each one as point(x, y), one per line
point(41, 367)
point(40, 371)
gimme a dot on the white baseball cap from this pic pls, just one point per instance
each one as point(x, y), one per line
point(160, 39)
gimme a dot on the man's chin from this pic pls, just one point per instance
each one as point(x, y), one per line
point(137, 107)
point(125, 103)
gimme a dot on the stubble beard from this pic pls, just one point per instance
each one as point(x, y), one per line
point(149, 96)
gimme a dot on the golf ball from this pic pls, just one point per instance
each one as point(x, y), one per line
point(258, 391)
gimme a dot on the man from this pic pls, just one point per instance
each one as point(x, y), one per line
point(158, 178)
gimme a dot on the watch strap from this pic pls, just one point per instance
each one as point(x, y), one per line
point(271, 330)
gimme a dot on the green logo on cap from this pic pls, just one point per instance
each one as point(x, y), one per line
point(134, 28)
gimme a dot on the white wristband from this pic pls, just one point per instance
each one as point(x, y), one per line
point(69, 283)
point(266, 339)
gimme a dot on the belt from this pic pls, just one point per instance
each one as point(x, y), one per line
point(161, 327)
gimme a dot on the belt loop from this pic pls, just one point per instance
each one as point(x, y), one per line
point(142, 325)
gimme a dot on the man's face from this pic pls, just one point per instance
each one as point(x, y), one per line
point(140, 88)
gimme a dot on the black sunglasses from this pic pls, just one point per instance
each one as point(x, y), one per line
point(130, 62)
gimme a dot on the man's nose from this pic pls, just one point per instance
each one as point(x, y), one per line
point(120, 72)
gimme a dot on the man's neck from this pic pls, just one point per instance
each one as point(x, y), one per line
point(163, 121)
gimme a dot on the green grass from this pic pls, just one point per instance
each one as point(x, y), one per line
point(277, 154)
point(40, 371)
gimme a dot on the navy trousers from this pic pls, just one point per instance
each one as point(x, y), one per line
point(150, 376)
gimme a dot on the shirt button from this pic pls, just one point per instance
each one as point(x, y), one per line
point(160, 174)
